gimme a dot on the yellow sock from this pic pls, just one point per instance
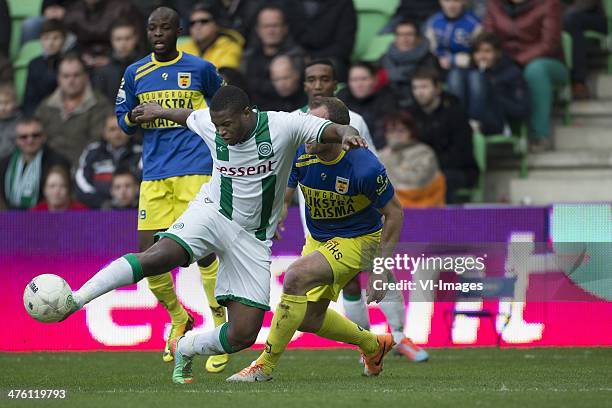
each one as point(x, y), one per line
point(162, 287)
point(209, 279)
point(287, 318)
point(339, 328)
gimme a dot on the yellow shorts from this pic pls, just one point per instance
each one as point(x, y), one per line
point(163, 201)
point(347, 257)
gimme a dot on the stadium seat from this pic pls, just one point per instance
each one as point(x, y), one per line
point(519, 142)
point(372, 15)
point(19, 11)
point(476, 193)
point(605, 40)
point(377, 47)
point(27, 53)
point(564, 92)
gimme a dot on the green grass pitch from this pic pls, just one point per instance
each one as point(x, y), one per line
point(485, 377)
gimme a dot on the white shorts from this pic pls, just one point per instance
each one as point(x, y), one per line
point(244, 261)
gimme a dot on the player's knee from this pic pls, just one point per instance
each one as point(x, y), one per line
point(311, 324)
point(352, 288)
point(295, 281)
point(241, 338)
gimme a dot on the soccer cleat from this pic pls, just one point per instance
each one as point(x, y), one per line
point(216, 364)
point(373, 364)
point(411, 351)
point(176, 331)
point(183, 365)
point(73, 306)
point(252, 373)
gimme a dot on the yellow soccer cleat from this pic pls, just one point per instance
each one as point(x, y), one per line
point(216, 364)
point(177, 331)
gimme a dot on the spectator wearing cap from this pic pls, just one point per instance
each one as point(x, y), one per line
point(42, 70)
point(99, 161)
point(9, 116)
point(271, 40)
point(220, 46)
point(530, 33)
point(57, 192)
point(73, 115)
point(23, 171)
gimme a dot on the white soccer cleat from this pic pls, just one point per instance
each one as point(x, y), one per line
point(252, 373)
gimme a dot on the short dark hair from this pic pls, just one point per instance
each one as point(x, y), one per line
point(230, 98)
point(365, 65)
point(405, 118)
point(53, 25)
point(73, 56)
point(27, 119)
point(486, 38)
point(122, 22)
point(125, 171)
point(338, 112)
point(431, 74)
point(209, 7)
point(322, 61)
point(270, 6)
point(410, 22)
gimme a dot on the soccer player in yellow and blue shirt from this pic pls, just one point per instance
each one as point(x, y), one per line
point(347, 194)
point(176, 162)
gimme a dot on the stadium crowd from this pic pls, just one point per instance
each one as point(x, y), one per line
point(454, 67)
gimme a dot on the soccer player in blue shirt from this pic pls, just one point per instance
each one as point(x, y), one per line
point(347, 194)
point(176, 162)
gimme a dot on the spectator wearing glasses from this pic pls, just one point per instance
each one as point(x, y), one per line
point(220, 46)
point(23, 171)
point(57, 192)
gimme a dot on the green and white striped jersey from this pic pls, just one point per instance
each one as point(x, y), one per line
point(249, 179)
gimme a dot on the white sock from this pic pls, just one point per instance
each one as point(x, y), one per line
point(206, 343)
point(116, 274)
point(395, 312)
point(357, 312)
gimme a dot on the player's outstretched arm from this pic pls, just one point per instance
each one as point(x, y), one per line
point(148, 112)
point(280, 228)
point(345, 134)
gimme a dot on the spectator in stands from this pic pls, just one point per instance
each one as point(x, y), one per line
point(92, 20)
point(42, 70)
point(123, 191)
point(450, 33)
point(286, 78)
point(408, 52)
point(221, 46)
point(241, 15)
point(101, 158)
point(411, 165)
point(324, 29)
point(22, 173)
point(124, 40)
point(497, 94)
point(320, 80)
point(581, 16)
point(530, 33)
point(57, 192)
point(234, 77)
point(9, 115)
point(415, 10)
point(50, 10)
point(373, 104)
point(272, 39)
point(443, 124)
point(74, 114)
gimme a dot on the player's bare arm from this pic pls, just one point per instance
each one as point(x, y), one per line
point(392, 227)
point(148, 112)
point(345, 134)
point(289, 193)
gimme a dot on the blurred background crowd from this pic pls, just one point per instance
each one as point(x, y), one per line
point(436, 82)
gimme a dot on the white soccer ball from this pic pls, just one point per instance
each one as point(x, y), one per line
point(47, 298)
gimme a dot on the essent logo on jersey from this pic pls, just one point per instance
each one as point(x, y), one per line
point(247, 170)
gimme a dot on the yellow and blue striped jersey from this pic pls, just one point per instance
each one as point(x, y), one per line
point(169, 149)
point(342, 196)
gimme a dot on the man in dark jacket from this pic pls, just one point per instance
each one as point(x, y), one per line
point(324, 29)
point(443, 125)
point(124, 40)
point(23, 171)
point(406, 54)
point(272, 39)
point(416, 10)
point(286, 78)
point(100, 160)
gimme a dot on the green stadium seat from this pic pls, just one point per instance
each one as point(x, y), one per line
point(476, 193)
point(372, 15)
point(19, 11)
point(386, 7)
point(377, 47)
point(605, 40)
point(27, 53)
